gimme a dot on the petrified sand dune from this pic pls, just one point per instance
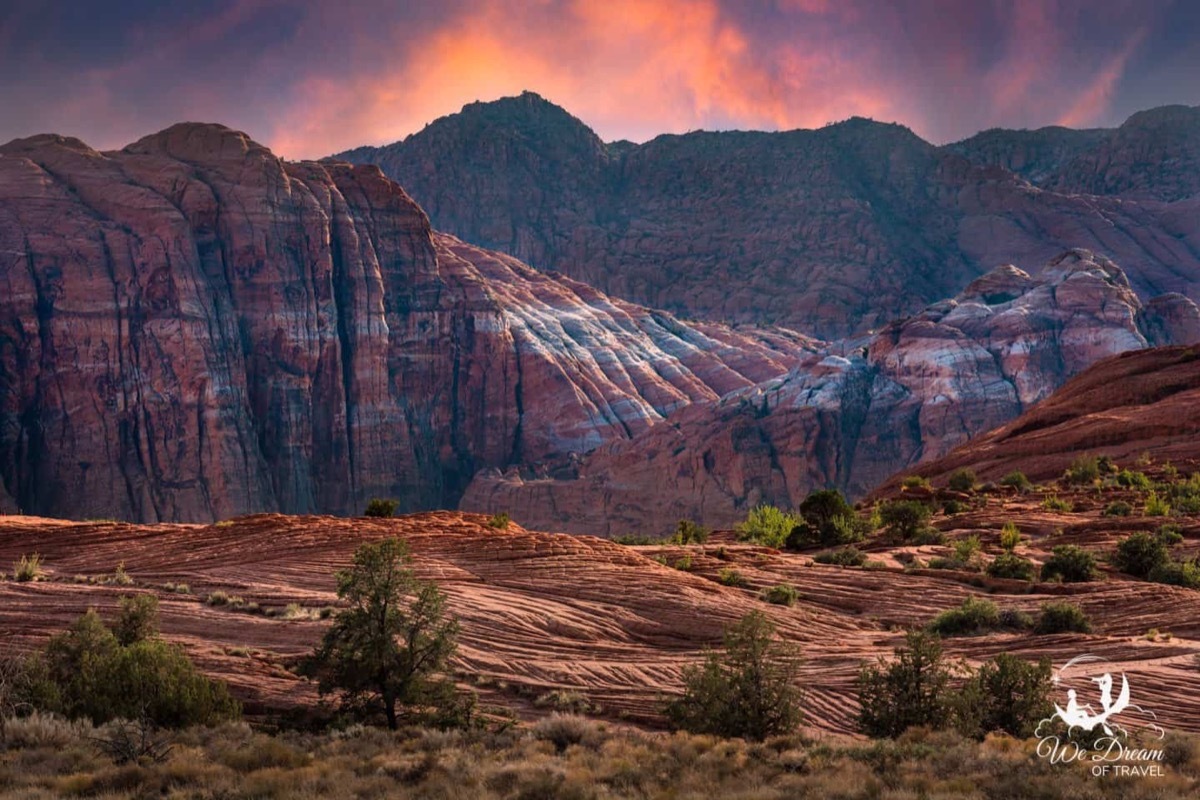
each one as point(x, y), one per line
point(544, 612)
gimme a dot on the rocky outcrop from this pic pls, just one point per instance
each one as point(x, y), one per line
point(1135, 405)
point(191, 328)
point(913, 392)
point(835, 231)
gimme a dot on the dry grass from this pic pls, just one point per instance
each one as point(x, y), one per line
point(563, 756)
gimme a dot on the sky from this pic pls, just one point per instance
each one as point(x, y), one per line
point(310, 77)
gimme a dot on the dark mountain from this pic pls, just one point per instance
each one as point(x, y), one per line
point(833, 231)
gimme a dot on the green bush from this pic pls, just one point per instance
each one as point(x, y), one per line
point(688, 532)
point(951, 507)
point(1010, 536)
point(1083, 470)
point(1117, 508)
point(904, 518)
point(1017, 480)
point(745, 690)
point(1133, 480)
point(137, 620)
point(731, 577)
point(845, 557)
point(1178, 573)
point(381, 508)
point(962, 480)
point(1071, 563)
point(783, 594)
point(966, 550)
point(1011, 566)
point(1052, 503)
point(1007, 694)
point(1156, 506)
point(768, 525)
point(1059, 616)
point(90, 673)
point(975, 615)
point(1170, 534)
point(912, 690)
point(499, 521)
point(827, 520)
point(1140, 554)
point(915, 482)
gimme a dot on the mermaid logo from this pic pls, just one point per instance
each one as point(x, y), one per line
point(1097, 727)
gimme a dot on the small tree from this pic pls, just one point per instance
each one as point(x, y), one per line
point(1071, 563)
point(909, 691)
point(138, 619)
point(1140, 554)
point(745, 690)
point(689, 532)
point(962, 480)
point(905, 518)
point(381, 508)
point(391, 647)
point(1007, 694)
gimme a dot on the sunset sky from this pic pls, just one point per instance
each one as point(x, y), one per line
point(310, 78)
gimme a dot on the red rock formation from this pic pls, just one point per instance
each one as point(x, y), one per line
point(833, 231)
point(191, 328)
point(1144, 402)
point(928, 383)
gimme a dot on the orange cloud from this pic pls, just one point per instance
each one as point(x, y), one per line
point(627, 67)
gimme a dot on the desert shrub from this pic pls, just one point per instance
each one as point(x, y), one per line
point(388, 652)
point(137, 620)
point(1010, 536)
point(1170, 534)
point(1006, 694)
point(915, 482)
point(783, 594)
point(28, 568)
point(843, 557)
point(1178, 750)
point(1060, 616)
point(564, 700)
point(1053, 503)
point(744, 690)
point(1177, 573)
point(1133, 480)
point(120, 577)
point(564, 730)
point(1140, 554)
point(975, 615)
point(684, 564)
point(962, 480)
point(39, 729)
point(95, 676)
point(133, 742)
point(909, 691)
point(766, 524)
point(1083, 470)
point(904, 518)
point(499, 521)
point(731, 577)
point(381, 507)
point(1117, 508)
point(1015, 619)
point(1156, 506)
point(929, 535)
point(951, 507)
point(1070, 563)
point(1017, 480)
point(828, 520)
point(688, 532)
point(966, 550)
point(636, 539)
point(1011, 566)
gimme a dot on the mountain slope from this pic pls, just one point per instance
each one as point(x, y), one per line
point(923, 385)
point(191, 328)
point(1143, 403)
point(833, 231)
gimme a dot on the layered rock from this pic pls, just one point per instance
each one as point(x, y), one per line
point(914, 391)
point(836, 231)
point(191, 328)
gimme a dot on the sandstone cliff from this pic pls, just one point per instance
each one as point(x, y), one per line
point(191, 328)
point(834, 231)
point(914, 391)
